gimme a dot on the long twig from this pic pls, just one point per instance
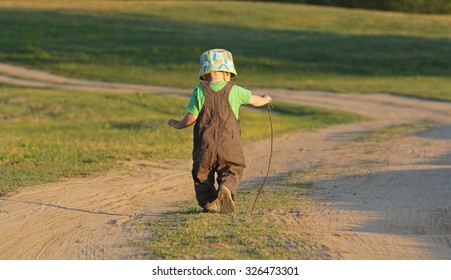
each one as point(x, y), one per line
point(270, 157)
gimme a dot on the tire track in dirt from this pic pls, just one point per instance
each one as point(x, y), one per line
point(387, 200)
point(21, 76)
point(87, 218)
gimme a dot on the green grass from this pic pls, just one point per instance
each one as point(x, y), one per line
point(274, 45)
point(49, 134)
point(288, 117)
point(394, 131)
point(188, 233)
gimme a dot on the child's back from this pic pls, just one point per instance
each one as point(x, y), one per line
point(214, 106)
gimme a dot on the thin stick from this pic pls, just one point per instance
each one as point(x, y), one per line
point(270, 157)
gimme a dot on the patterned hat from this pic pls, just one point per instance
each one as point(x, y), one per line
point(216, 60)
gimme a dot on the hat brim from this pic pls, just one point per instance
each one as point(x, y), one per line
point(232, 74)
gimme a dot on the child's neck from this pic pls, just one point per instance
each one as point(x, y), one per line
point(218, 77)
point(216, 80)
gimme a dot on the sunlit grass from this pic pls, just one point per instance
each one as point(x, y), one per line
point(49, 134)
point(395, 131)
point(274, 45)
point(187, 233)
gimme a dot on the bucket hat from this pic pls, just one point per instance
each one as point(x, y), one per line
point(216, 60)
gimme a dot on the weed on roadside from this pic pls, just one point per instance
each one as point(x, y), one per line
point(50, 134)
point(395, 131)
point(271, 231)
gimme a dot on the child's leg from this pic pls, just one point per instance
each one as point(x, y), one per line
point(230, 174)
point(231, 165)
point(229, 177)
point(204, 184)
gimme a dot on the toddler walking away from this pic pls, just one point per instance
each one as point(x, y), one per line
point(214, 107)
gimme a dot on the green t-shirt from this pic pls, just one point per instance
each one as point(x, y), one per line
point(237, 97)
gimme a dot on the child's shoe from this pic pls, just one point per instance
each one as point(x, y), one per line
point(226, 199)
point(210, 207)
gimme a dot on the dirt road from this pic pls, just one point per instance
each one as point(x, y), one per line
point(370, 200)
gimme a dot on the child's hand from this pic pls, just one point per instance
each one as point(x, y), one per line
point(268, 98)
point(173, 123)
point(257, 100)
point(188, 120)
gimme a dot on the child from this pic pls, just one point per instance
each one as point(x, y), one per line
point(214, 106)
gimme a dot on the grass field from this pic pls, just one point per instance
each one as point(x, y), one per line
point(261, 234)
point(396, 131)
point(274, 45)
point(49, 134)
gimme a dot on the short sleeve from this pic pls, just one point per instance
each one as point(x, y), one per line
point(195, 105)
point(238, 96)
point(242, 95)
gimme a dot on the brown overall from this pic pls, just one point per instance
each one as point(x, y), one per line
point(217, 146)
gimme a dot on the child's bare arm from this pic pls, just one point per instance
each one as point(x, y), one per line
point(258, 101)
point(188, 120)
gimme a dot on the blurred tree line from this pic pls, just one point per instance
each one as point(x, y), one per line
point(408, 6)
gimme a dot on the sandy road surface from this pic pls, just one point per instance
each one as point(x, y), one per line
point(384, 200)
